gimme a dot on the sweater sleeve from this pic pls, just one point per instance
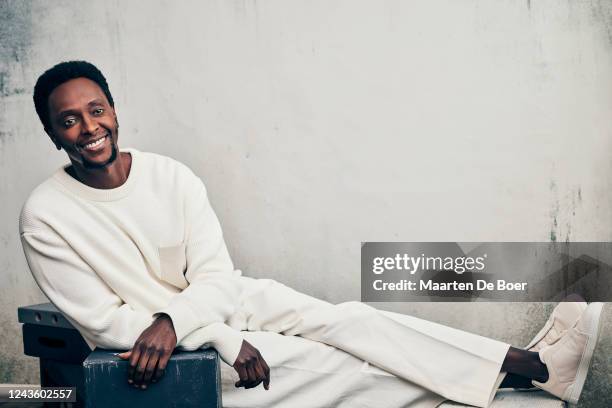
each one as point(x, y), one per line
point(213, 291)
point(75, 289)
point(94, 309)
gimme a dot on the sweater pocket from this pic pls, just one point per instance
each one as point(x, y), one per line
point(173, 264)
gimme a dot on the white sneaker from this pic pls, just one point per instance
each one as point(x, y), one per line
point(568, 359)
point(563, 317)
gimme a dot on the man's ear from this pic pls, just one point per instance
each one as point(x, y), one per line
point(115, 116)
point(53, 139)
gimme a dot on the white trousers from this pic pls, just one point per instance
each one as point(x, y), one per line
point(352, 355)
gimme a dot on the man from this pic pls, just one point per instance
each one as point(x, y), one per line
point(127, 246)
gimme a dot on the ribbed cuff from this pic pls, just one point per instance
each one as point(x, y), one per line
point(227, 341)
point(224, 339)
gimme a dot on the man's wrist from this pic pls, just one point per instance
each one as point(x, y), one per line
point(163, 318)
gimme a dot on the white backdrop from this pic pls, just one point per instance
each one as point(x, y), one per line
point(317, 125)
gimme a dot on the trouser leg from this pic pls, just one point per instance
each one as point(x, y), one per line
point(309, 374)
point(460, 366)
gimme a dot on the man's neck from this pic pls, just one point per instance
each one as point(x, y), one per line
point(111, 176)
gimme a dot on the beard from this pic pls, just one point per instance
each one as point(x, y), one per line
point(114, 154)
point(89, 165)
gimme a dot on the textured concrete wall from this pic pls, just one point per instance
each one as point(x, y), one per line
point(317, 125)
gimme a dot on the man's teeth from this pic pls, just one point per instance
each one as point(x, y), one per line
point(94, 144)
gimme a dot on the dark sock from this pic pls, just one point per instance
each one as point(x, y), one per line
point(541, 369)
point(526, 364)
point(516, 381)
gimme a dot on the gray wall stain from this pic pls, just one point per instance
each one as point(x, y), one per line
point(15, 29)
point(601, 12)
point(15, 41)
point(554, 211)
point(563, 211)
point(5, 136)
point(5, 86)
point(576, 201)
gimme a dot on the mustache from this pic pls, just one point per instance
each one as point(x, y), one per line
point(108, 133)
point(80, 146)
point(114, 155)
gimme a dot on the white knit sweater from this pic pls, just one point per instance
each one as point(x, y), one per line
point(111, 259)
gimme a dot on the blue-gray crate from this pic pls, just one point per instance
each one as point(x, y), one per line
point(54, 343)
point(44, 314)
point(54, 373)
point(191, 379)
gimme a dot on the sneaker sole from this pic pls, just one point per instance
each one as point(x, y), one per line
point(594, 327)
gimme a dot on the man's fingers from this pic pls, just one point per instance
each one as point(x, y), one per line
point(251, 367)
point(259, 372)
point(125, 355)
point(161, 366)
point(150, 369)
point(266, 370)
point(242, 374)
point(266, 383)
point(146, 354)
point(254, 376)
point(140, 369)
point(134, 357)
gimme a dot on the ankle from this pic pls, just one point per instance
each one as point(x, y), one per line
point(540, 370)
point(516, 381)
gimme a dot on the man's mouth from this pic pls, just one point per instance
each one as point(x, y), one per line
point(96, 144)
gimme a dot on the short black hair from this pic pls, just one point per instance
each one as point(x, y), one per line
point(57, 75)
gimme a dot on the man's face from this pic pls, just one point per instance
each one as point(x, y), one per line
point(83, 123)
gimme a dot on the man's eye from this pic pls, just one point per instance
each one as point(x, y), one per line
point(98, 111)
point(69, 122)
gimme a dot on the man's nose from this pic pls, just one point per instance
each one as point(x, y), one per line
point(90, 125)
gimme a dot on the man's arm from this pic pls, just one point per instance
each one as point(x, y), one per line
point(88, 303)
point(212, 296)
point(213, 293)
point(91, 306)
point(99, 314)
point(151, 352)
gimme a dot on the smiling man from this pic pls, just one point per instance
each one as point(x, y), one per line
point(90, 139)
point(77, 110)
point(128, 247)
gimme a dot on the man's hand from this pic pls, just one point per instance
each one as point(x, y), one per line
point(251, 367)
point(151, 352)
